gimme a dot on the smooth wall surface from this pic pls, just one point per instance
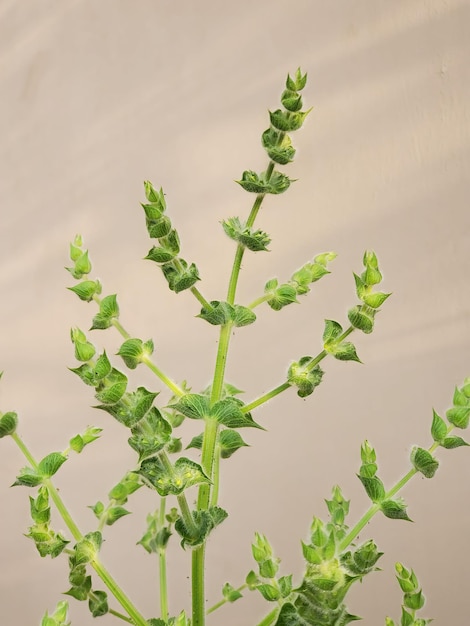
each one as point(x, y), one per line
point(97, 96)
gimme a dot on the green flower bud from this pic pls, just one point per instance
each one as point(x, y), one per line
point(8, 424)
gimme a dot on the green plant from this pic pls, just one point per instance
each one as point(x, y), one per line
point(333, 558)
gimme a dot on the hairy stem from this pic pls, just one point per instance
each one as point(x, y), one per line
point(162, 566)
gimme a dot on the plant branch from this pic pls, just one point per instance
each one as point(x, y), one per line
point(100, 569)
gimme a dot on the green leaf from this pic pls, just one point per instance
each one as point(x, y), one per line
point(180, 276)
point(205, 522)
point(285, 585)
point(151, 434)
point(219, 314)
point(98, 603)
point(438, 427)
point(254, 240)
point(332, 331)
point(287, 121)
point(278, 146)
point(230, 593)
point(169, 248)
point(109, 311)
point(230, 441)
point(362, 318)
point(243, 316)
point(132, 407)
point(229, 413)
point(453, 442)
point(39, 507)
point(50, 464)
point(374, 300)
point(424, 462)
point(112, 388)
point(59, 617)
point(84, 350)
point(87, 289)
point(394, 509)
point(459, 416)
point(185, 473)
point(303, 377)
point(374, 487)
point(133, 351)
point(87, 548)
point(82, 265)
point(28, 477)
point(193, 405)
point(298, 82)
point(115, 513)
point(196, 442)
point(269, 592)
point(125, 487)
point(48, 542)
point(260, 184)
point(8, 424)
point(280, 295)
point(291, 100)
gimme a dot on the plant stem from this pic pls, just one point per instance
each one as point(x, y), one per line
point(162, 566)
point(102, 572)
point(216, 477)
point(197, 586)
point(211, 427)
point(163, 377)
point(120, 616)
point(205, 304)
point(265, 397)
point(259, 301)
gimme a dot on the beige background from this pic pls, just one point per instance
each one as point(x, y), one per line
point(97, 96)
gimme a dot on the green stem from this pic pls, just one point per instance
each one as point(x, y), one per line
point(259, 300)
point(216, 477)
point(217, 605)
point(102, 572)
point(197, 586)
point(265, 397)
point(120, 616)
point(211, 427)
point(269, 619)
point(163, 377)
point(162, 566)
point(205, 304)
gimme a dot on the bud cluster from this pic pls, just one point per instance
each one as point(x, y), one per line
point(362, 316)
point(85, 551)
point(266, 582)
point(280, 295)
point(178, 273)
point(277, 142)
point(374, 487)
point(413, 598)
point(330, 573)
